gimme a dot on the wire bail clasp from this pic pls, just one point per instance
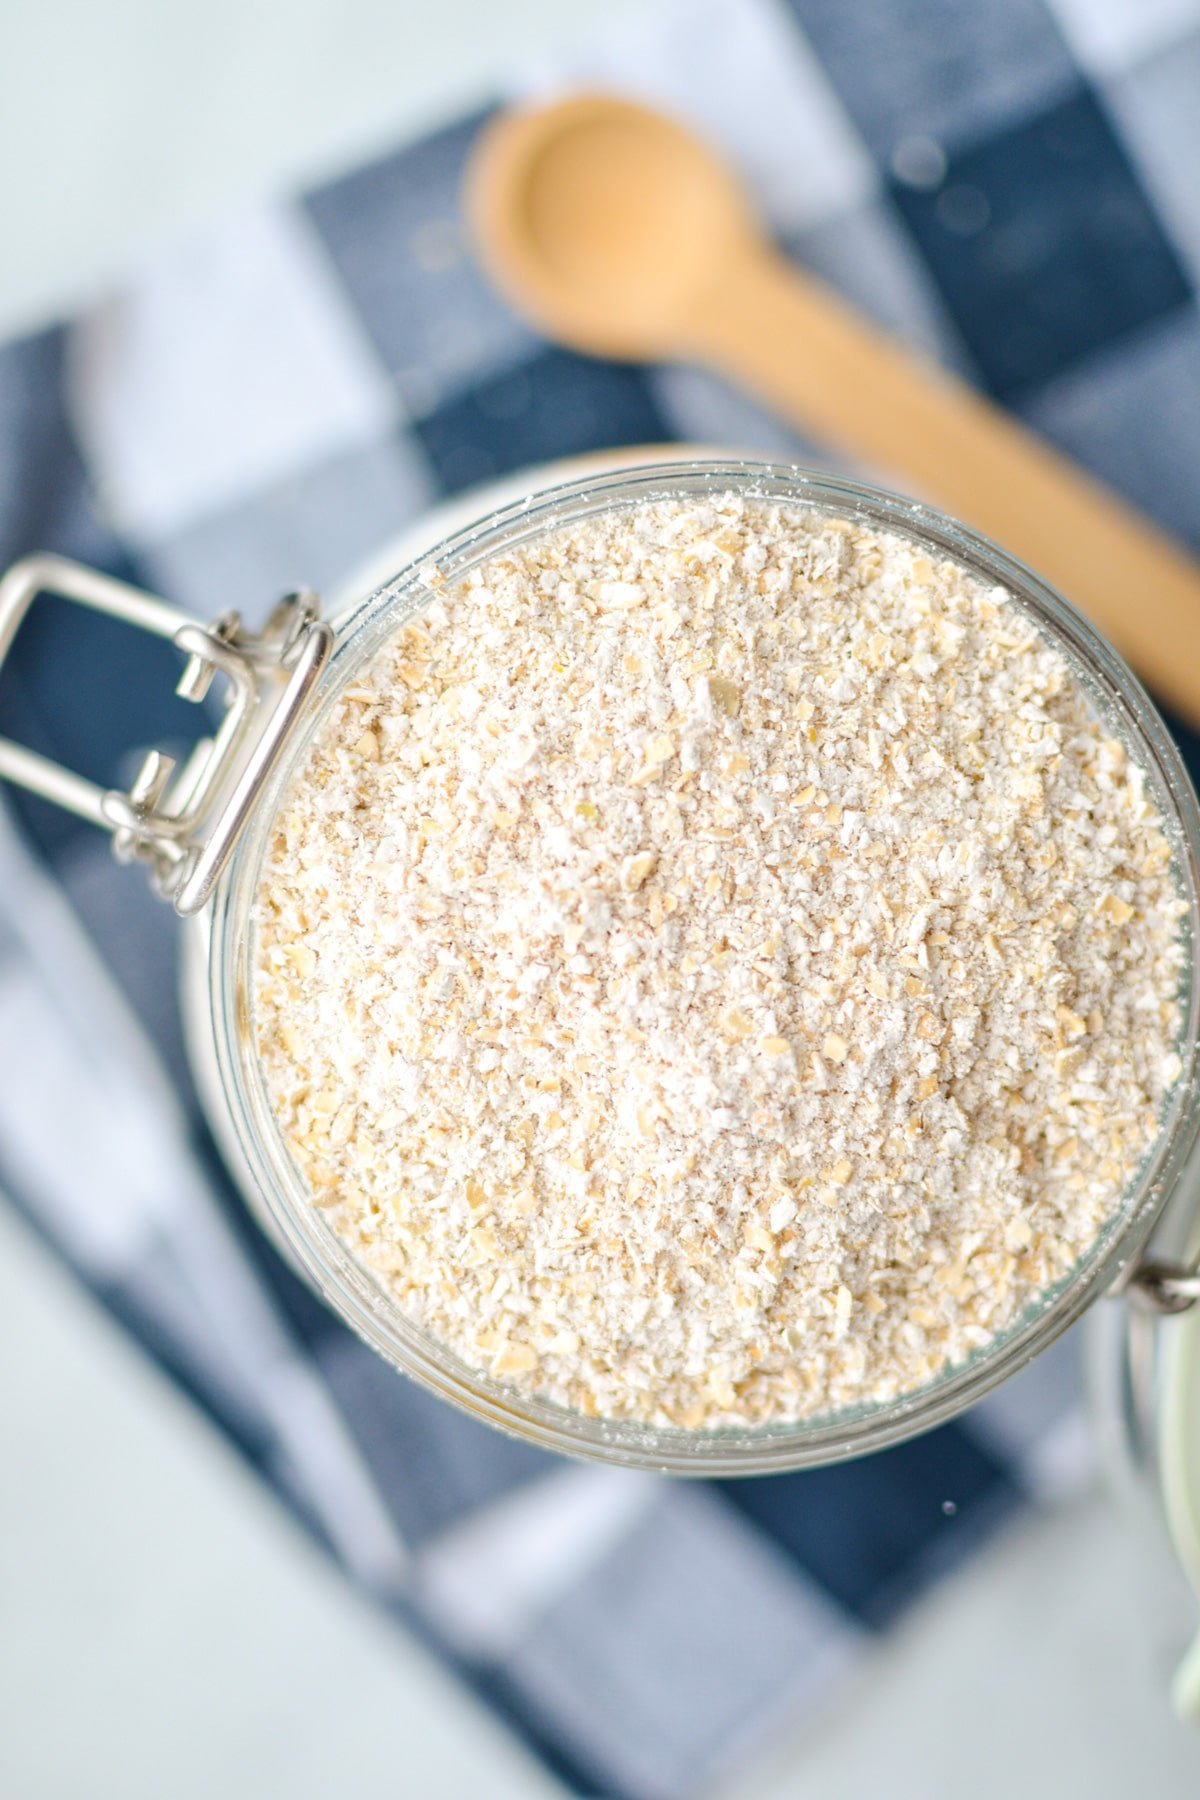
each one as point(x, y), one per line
point(1163, 1287)
point(181, 821)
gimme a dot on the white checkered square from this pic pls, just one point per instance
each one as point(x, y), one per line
point(231, 363)
point(679, 1648)
point(1107, 35)
point(485, 1582)
point(310, 530)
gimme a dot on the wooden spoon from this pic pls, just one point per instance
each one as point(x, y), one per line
point(619, 234)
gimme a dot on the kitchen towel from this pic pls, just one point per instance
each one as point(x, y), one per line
point(1010, 186)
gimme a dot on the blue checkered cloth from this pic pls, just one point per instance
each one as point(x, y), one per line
point(1011, 186)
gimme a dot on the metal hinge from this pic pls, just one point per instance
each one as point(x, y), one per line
point(182, 822)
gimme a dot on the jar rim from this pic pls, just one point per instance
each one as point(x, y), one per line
point(349, 1287)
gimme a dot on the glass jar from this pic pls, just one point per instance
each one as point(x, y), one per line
point(212, 871)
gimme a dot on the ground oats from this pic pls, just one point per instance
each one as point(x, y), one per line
point(715, 966)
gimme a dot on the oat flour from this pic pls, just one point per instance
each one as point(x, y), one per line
point(715, 966)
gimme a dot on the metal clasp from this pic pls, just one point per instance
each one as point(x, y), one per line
point(1163, 1287)
point(182, 822)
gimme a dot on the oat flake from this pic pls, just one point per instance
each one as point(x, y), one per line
point(716, 967)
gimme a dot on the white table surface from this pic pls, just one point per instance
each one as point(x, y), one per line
point(165, 1629)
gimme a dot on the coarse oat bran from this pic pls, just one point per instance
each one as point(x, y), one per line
point(716, 967)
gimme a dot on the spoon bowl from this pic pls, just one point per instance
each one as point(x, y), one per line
point(604, 222)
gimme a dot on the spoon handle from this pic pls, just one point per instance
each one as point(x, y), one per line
point(778, 332)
